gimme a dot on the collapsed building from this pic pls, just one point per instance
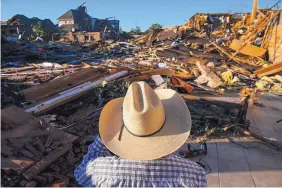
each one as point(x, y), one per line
point(78, 25)
point(21, 27)
point(228, 73)
point(256, 34)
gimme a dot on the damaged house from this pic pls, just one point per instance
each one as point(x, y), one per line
point(78, 25)
point(20, 27)
point(11, 31)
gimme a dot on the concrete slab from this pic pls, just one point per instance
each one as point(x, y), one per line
point(228, 152)
point(234, 174)
point(238, 166)
point(265, 176)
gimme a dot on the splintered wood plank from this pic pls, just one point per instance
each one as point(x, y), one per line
point(53, 87)
point(71, 94)
point(275, 43)
point(248, 49)
point(19, 123)
point(15, 117)
point(271, 69)
point(15, 163)
point(167, 72)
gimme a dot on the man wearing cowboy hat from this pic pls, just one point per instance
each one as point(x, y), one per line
point(142, 130)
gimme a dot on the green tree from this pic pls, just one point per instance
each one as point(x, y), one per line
point(136, 31)
point(154, 27)
point(38, 30)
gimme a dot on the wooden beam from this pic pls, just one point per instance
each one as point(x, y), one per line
point(247, 49)
point(53, 87)
point(227, 102)
point(71, 94)
point(275, 144)
point(271, 69)
point(258, 27)
point(254, 11)
point(164, 72)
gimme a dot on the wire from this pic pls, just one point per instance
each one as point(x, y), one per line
point(202, 163)
point(205, 165)
point(202, 158)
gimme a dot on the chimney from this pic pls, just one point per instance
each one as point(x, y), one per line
point(82, 8)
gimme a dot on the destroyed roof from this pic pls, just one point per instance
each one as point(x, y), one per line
point(213, 14)
point(47, 24)
point(76, 15)
point(79, 16)
point(221, 14)
point(68, 15)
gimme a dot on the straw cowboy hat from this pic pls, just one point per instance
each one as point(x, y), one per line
point(146, 124)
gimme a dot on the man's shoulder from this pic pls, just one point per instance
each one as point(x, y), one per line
point(165, 162)
point(170, 169)
point(187, 163)
point(183, 160)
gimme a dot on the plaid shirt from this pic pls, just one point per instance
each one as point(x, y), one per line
point(100, 168)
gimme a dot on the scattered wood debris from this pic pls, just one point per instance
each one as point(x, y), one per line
point(52, 97)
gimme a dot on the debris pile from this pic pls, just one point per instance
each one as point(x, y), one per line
point(43, 150)
point(53, 93)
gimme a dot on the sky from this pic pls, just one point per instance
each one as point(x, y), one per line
point(131, 13)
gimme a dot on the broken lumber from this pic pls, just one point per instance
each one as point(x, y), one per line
point(259, 137)
point(29, 73)
point(247, 49)
point(13, 117)
point(193, 60)
point(177, 81)
point(274, 42)
point(226, 102)
point(53, 87)
point(254, 12)
point(16, 69)
point(167, 53)
point(164, 72)
point(167, 72)
point(19, 123)
point(14, 163)
point(240, 70)
point(71, 94)
point(271, 69)
point(207, 76)
point(46, 161)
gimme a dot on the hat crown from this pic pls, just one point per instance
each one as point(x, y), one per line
point(143, 112)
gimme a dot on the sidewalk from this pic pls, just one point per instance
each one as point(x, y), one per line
point(247, 165)
point(249, 162)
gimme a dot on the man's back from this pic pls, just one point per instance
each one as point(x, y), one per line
point(170, 171)
point(112, 171)
point(144, 128)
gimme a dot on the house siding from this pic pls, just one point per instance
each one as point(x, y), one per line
point(62, 22)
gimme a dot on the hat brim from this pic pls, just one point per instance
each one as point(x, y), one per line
point(170, 138)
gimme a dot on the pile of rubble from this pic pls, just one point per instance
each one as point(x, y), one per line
point(52, 94)
point(224, 50)
point(43, 150)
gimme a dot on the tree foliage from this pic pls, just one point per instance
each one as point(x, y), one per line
point(155, 27)
point(38, 30)
point(136, 31)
